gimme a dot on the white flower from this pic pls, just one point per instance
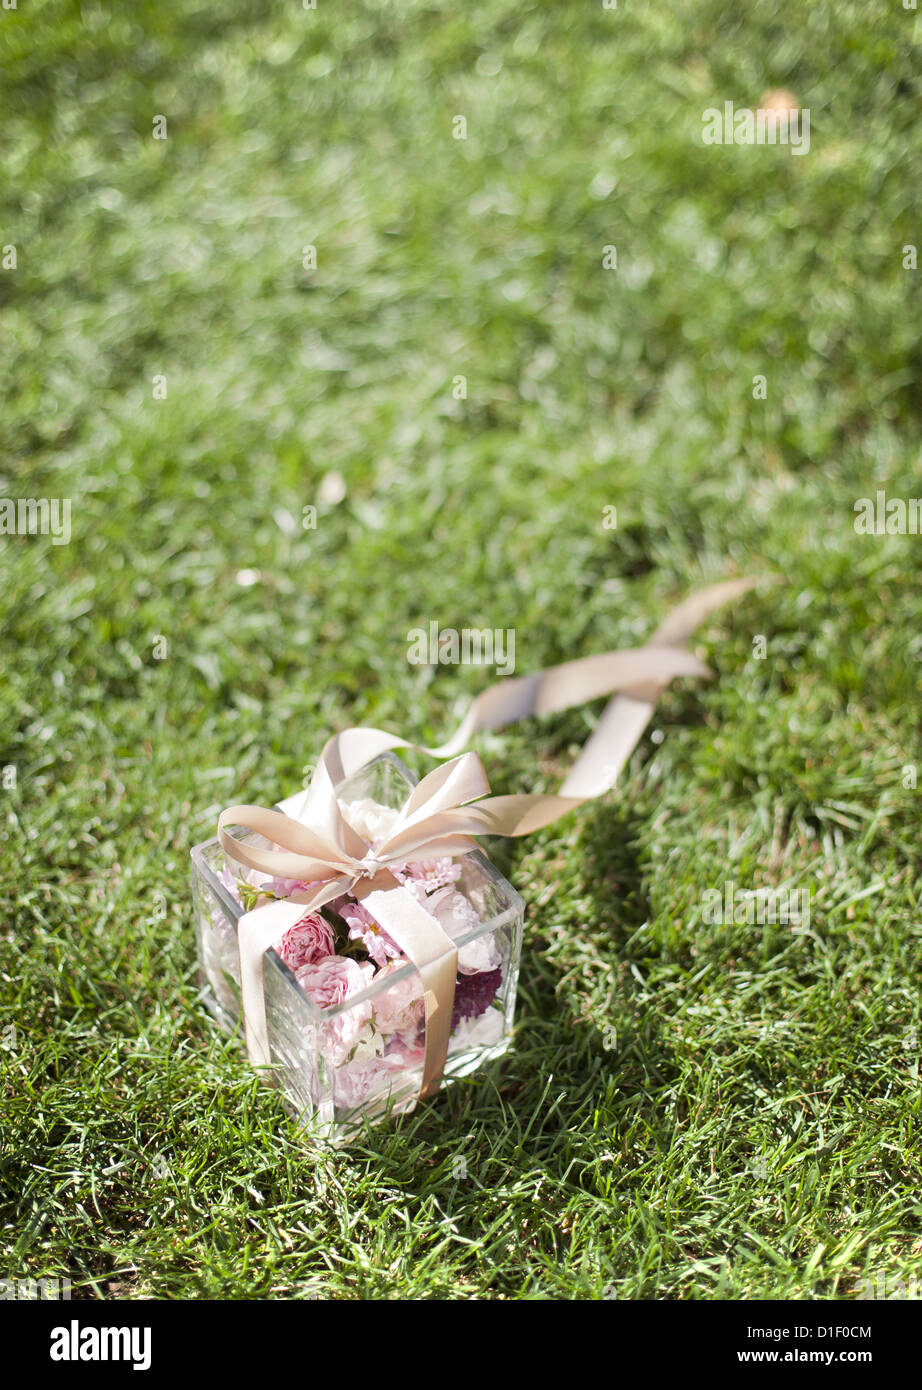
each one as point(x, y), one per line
point(370, 1043)
point(478, 1032)
point(368, 818)
point(457, 916)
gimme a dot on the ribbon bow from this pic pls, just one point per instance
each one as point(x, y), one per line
point(449, 806)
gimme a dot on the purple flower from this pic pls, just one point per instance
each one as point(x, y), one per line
point(474, 994)
point(307, 942)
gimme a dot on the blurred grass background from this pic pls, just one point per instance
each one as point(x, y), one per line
point(754, 1129)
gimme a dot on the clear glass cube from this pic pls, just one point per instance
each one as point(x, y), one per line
point(362, 1059)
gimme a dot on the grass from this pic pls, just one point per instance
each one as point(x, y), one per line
point(689, 1110)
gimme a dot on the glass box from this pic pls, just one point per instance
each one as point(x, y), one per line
point(344, 1060)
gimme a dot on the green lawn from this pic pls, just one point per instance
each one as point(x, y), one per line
point(689, 1110)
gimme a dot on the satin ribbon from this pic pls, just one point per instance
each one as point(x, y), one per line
point(443, 812)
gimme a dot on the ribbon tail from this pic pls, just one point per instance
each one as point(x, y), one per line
point(625, 717)
point(573, 683)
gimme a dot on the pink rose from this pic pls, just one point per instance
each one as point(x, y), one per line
point(307, 942)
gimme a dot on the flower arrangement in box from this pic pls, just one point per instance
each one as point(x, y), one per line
point(347, 1021)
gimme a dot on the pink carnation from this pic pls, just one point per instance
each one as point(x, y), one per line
point(332, 981)
point(358, 1082)
point(457, 917)
point(233, 874)
point(284, 887)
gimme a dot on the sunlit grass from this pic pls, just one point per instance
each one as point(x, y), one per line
point(689, 1110)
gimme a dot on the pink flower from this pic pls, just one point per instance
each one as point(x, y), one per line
point(364, 928)
point(356, 1083)
point(427, 875)
point(399, 1006)
point(411, 1048)
point(350, 1034)
point(334, 979)
point(284, 887)
point(233, 874)
point(307, 942)
point(457, 917)
point(229, 876)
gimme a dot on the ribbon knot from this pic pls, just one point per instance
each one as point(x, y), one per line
point(369, 867)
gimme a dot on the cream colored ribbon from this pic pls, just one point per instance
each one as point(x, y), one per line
point(443, 812)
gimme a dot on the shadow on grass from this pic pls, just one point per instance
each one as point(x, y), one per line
point(587, 1051)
